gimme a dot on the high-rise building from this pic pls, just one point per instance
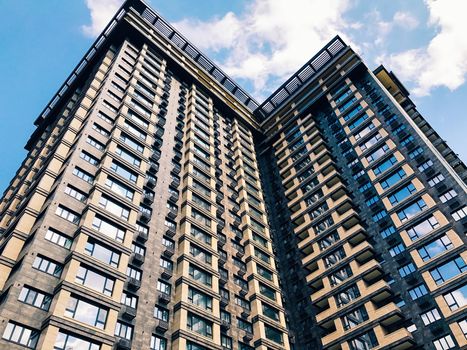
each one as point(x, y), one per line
point(161, 207)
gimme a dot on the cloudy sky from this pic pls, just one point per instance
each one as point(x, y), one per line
point(258, 42)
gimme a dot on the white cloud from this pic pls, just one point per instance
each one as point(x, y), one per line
point(270, 39)
point(101, 12)
point(405, 20)
point(443, 62)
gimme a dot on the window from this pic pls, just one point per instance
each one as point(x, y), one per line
point(124, 172)
point(358, 121)
point(267, 291)
point(261, 255)
point(95, 280)
point(364, 341)
point(96, 144)
point(430, 316)
point(135, 131)
point(75, 193)
point(273, 334)
point(129, 300)
point(86, 312)
point(444, 343)
point(119, 188)
point(123, 330)
point(261, 240)
point(128, 156)
point(448, 270)
point(379, 215)
point(200, 254)
point(201, 202)
point(131, 143)
point(158, 343)
point(263, 272)
point(393, 179)
point(371, 142)
point(346, 105)
point(199, 298)
point(434, 248)
point(242, 302)
point(402, 194)
point(328, 240)
point(195, 214)
point(199, 325)
point(89, 158)
point(340, 275)
point(435, 180)
point(415, 152)
point(109, 229)
point(102, 253)
point(425, 165)
point(355, 317)
point(161, 313)
point(397, 249)
point(385, 165)
point(163, 287)
point(133, 273)
point(406, 270)
point(388, 231)
point(245, 325)
point(459, 214)
point(67, 341)
point(448, 196)
point(422, 228)
point(377, 154)
point(114, 207)
point(100, 129)
point(16, 333)
point(226, 342)
point(200, 275)
point(67, 214)
point(48, 266)
point(348, 295)
point(192, 346)
point(138, 249)
point(34, 297)
point(463, 326)
point(457, 298)
point(411, 210)
point(407, 140)
point(58, 238)
point(364, 131)
point(270, 311)
point(83, 175)
point(166, 264)
point(418, 291)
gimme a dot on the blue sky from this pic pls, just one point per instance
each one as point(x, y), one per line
point(258, 42)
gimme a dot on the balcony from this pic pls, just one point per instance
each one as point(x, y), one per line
point(153, 167)
point(137, 259)
point(167, 274)
point(245, 313)
point(172, 214)
point(224, 301)
point(225, 325)
point(170, 232)
point(141, 236)
point(128, 312)
point(169, 251)
point(175, 182)
point(161, 326)
point(144, 217)
point(248, 337)
point(133, 283)
point(156, 155)
point(164, 298)
point(151, 182)
point(173, 197)
point(123, 344)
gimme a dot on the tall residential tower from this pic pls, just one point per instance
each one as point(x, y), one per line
point(161, 207)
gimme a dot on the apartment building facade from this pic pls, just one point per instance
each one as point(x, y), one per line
point(161, 207)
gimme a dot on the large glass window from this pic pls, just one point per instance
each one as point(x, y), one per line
point(124, 330)
point(448, 270)
point(158, 343)
point(273, 334)
point(35, 298)
point(365, 341)
point(95, 280)
point(16, 333)
point(199, 298)
point(48, 266)
point(119, 188)
point(402, 194)
point(422, 228)
point(199, 325)
point(434, 248)
point(109, 229)
point(411, 210)
point(86, 312)
point(58, 238)
point(457, 298)
point(67, 341)
point(348, 295)
point(200, 275)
